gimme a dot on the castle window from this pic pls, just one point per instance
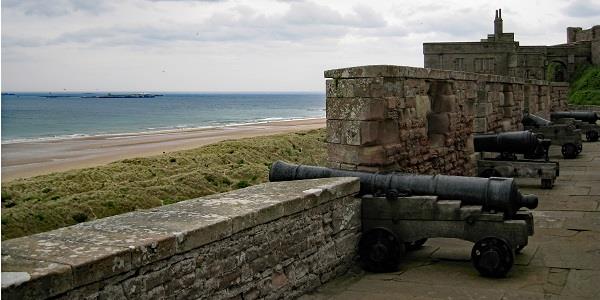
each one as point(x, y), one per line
point(484, 65)
point(459, 64)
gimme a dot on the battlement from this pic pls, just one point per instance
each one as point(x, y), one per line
point(420, 120)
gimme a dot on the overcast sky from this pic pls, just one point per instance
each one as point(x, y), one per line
point(229, 45)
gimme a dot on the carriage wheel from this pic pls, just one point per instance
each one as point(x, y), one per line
point(380, 250)
point(569, 151)
point(591, 136)
point(492, 257)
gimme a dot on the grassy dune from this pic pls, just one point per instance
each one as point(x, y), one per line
point(585, 88)
point(56, 200)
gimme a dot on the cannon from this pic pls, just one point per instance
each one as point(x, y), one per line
point(506, 164)
point(521, 142)
point(583, 120)
point(493, 194)
point(401, 211)
point(564, 135)
point(585, 116)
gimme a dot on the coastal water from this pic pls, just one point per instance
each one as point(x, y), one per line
point(36, 116)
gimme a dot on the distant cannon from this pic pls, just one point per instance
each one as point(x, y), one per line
point(565, 135)
point(521, 142)
point(584, 120)
point(417, 207)
point(506, 164)
point(585, 116)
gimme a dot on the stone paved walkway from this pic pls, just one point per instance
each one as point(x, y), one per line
point(562, 260)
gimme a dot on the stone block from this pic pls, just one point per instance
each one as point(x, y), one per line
point(33, 279)
point(508, 99)
point(437, 140)
point(353, 132)
point(480, 125)
point(372, 156)
point(422, 106)
point(444, 103)
point(334, 129)
point(360, 109)
point(438, 123)
point(376, 87)
point(88, 262)
point(357, 155)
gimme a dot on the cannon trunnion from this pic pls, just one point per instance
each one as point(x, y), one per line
point(507, 164)
point(565, 135)
point(400, 211)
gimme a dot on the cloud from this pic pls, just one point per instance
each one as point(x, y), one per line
point(309, 13)
point(239, 24)
point(55, 8)
point(583, 8)
point(187, 0)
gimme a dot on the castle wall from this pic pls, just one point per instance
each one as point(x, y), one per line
point(595, 47)
point(394, 118)
point(499, 54)
point(489, 58)
point(273, 240)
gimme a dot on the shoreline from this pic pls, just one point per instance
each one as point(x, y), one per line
point(150, 131)
point(32, 158)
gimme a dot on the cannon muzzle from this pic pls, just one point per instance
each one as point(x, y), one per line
point(585, 116)
point(493, 194)
point(532, 120)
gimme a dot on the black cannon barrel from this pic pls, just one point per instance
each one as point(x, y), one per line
point(523, 142)
point(500, 194)
point(585, 116)
point(534, 120)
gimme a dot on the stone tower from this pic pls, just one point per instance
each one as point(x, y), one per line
point(498, 24)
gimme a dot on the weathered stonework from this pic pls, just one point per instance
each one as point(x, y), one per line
point(395, 118)
point(275, 240)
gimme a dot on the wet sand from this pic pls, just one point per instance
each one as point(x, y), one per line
point(27, 159)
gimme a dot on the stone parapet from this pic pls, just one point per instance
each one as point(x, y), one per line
point(270, 240)
point(397, 118)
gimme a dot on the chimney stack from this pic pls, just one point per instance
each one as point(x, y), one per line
point(498, 24)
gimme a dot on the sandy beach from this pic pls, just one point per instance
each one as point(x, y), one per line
point(27, 159)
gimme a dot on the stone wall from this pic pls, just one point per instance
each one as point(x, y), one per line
point(275, 240)
point(394, 118)
point(595, 108)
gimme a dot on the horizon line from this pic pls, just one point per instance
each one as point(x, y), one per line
point(148, 92)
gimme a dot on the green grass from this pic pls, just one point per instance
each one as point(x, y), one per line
point(585, 88)
point(56, 200)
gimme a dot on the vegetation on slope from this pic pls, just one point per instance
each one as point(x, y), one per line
point(56, 200)
point(585, 88)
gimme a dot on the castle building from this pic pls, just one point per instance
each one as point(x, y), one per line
point(500, 54)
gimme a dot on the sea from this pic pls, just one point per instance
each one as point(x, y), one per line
point(54, 116)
